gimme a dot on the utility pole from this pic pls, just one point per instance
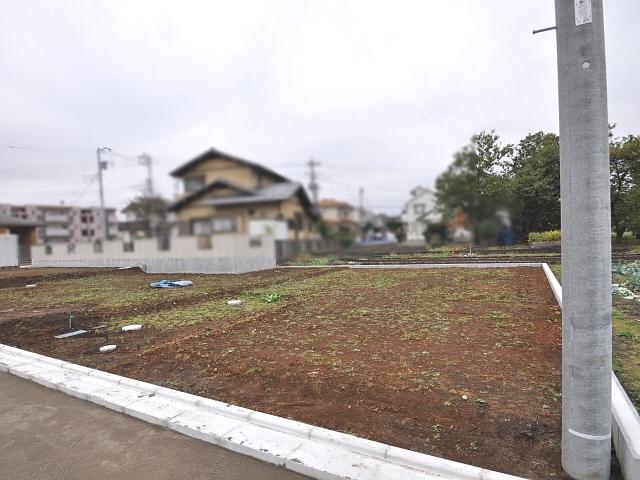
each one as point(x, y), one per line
point(361, 212)
point(146, 160)
point(586, 240)
point(313, 183)
point(102, 165)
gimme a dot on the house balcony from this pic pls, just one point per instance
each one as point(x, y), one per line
point(56, 232)
point(56, 217)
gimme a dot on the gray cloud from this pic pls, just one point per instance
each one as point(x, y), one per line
point(381, 92)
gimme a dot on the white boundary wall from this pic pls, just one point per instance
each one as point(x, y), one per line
point(229, 253)
point(9, 251)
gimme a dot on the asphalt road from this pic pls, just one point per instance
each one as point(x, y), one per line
point(45, 434)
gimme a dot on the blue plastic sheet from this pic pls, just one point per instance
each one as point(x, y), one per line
point(172, 283)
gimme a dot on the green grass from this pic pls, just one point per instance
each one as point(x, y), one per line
point(626, 359)
point(306, 259)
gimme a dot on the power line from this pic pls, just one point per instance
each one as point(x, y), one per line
point(77, 199)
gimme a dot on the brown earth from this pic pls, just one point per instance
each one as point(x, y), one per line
point(459, 363)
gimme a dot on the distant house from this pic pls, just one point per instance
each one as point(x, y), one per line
point(419, 211)
point(224, 193)
point(340, 217)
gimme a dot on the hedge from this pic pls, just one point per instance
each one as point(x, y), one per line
point(549, 236)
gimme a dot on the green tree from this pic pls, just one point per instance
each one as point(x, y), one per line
point(624, 160)
point(150, 213)
point(475, 181)
point(534, 184)
point(395, 226)
point(145, 208)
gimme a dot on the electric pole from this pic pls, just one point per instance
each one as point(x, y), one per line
point(361, 212)
point(586, 240)
point(146, 160)
point(313, 183)
point(102, 165)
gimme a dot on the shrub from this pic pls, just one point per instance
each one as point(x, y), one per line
point(549, 236)
point(434, 234)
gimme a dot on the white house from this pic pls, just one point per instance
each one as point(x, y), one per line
point(419, 211)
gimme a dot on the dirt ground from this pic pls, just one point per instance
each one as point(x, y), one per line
point(459, 363)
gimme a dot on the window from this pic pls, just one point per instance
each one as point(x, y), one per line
point(193, 184)
point(223, 224)
point(418, 208)
point(255, 242)
point(71, 248)
point(48, 249)
point(201, 227)
point(128, 246)
point(97, 246)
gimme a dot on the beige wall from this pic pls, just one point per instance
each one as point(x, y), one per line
point(287, 210)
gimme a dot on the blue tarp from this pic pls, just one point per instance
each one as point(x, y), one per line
point(171, 283)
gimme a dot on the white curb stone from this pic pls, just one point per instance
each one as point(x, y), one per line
point(262, 443)
point(203, 426)
point(625, 430)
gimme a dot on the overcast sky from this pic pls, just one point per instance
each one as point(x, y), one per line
point(380, 92)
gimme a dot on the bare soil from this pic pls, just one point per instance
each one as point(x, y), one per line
point(459, 363)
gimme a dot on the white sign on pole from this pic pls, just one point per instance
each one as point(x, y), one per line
point(583, 12)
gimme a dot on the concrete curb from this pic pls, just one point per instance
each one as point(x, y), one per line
point(312, 451)
point(625, 430)
point(424, 265)
point(553, 283)
point(625, 421)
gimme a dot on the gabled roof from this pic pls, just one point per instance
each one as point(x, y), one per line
point(220, 183)
point(272, 193)
point(214, 153)
point(11, 221)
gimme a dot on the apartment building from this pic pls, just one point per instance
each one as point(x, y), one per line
point(64, 224)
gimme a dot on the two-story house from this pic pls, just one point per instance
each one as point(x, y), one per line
point(419, 211)
point(224, 193)
point(340, 216)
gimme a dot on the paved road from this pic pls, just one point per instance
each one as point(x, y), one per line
point(45, 434)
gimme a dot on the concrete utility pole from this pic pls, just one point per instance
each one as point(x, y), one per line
point(586, 240)
point(102, 165)
point(313, 183)
point(361, 211)
point(146, 160)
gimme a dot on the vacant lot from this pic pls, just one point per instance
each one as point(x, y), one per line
point(458, 363)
